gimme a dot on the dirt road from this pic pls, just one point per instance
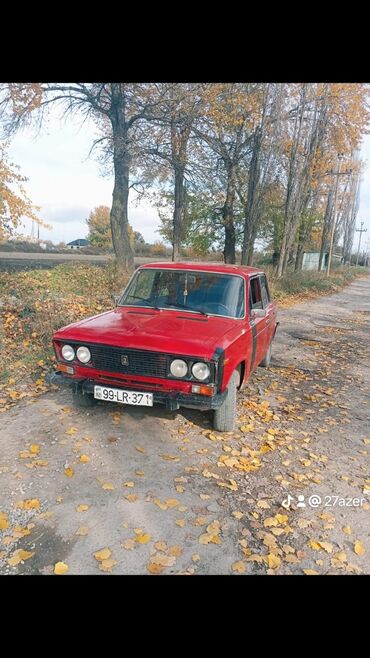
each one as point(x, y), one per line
point(163, 493)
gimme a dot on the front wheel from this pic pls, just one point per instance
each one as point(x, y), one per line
point(81, 399)
point(224, 417)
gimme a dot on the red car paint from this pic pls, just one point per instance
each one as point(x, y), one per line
point(243, 342)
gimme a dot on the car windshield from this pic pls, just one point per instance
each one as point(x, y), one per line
point(209, 293)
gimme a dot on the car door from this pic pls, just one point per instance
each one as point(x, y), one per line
point(268, 306)
point(257, 319)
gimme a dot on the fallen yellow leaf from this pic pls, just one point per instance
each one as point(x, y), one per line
point(60, 568)
point(85, 459)
point(4, 521)
point(68, 472)
point(128, 544)
point(107, 486)
point(263, 504)
point(273, 561)
point(103, 554)
point(18, 556)
point(31, 503)
point(160, 545)
point(311, 572)
point(171, 458)
point(155, 568)
point(359, 548)
point(82, 508)
point(35, 449)
point(132, 498)
point(172, 502)
point(347, 529)
point(143, 538)
point(106, 565)
point(163, 560)
point(82, 530)
point(239, 567)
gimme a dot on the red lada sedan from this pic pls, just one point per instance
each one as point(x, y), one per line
point(182, 334)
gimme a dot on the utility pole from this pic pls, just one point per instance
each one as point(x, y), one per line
point(367, 252)
point(336, 215)
point(360, 231)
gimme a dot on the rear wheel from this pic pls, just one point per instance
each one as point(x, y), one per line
point(81, 399)
point(224, 417)
point(266, 361)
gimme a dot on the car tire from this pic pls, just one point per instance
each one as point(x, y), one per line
point(224, 417)
point(267, 360)
point(81, 399)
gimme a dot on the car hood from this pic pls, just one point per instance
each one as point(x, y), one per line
point(174, 332)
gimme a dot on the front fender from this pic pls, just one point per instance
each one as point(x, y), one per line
point(237, 354)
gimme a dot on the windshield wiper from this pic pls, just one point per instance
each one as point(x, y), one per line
point(188, 308)
point(143, 299)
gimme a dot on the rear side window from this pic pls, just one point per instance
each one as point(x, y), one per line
point(255, 299)
point(265, 295)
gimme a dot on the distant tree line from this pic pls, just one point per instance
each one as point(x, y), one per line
point(230, 163)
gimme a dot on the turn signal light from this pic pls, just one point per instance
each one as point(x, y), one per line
point(67, 369)
point(202, 390)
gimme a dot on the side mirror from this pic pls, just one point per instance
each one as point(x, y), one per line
point(116, 299)
point(258, 313)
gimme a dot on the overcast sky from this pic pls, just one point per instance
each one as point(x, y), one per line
point(67, 184)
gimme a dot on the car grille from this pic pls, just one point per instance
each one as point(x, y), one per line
point(128, 362)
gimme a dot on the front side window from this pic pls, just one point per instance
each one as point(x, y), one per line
point(204, 292)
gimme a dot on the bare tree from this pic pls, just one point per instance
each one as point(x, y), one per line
point(121, 106)
point(167, 146)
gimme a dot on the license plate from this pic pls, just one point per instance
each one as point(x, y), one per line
point(124, 397)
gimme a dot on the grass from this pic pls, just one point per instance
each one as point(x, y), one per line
point(298, 286)
point(34, 303)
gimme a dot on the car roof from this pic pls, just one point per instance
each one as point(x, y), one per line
point(220, 268)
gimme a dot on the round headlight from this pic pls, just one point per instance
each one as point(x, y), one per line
point(68, 353)
point(83, 354)
point(200, 371)
point(178, 368)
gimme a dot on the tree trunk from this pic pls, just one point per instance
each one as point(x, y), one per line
point(300, 247)
point(326, 227)
point(250, 206)
point(180, 134)
point(252, 240)
point(228, 217)
point(121, 159)
point(178, 213)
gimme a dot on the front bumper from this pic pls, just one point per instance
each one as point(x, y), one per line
point(171, 399)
